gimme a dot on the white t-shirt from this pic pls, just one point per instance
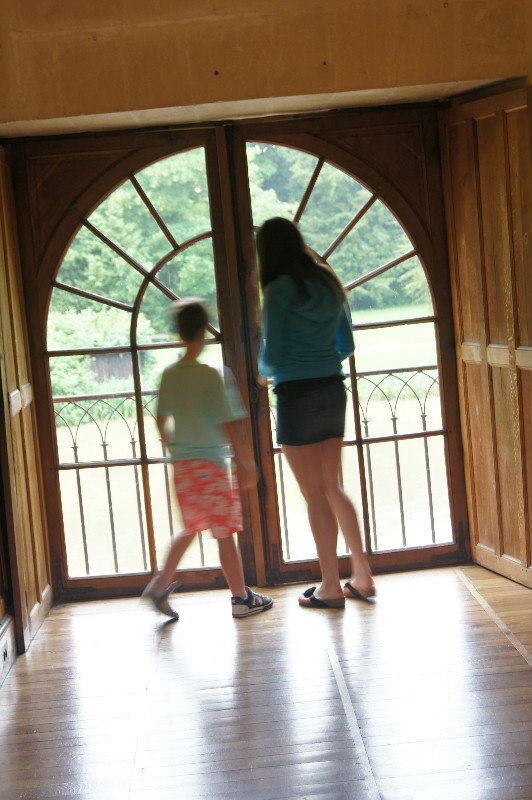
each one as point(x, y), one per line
point(199, 400)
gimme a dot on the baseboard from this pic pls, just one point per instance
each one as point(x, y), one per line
point(40, 611)
point(8, 648)
point(502, 565)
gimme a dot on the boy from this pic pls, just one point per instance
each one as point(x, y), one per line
point(207, 416)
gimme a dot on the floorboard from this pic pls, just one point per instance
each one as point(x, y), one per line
point(426, 693)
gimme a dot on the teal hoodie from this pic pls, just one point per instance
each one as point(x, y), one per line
point(303, 337)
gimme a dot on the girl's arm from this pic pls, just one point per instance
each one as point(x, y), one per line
point(274, 311)
point(345, 344)
point(246, 470)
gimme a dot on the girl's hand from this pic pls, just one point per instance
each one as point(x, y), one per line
point(246, 473)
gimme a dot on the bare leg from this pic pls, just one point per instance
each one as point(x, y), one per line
point(307, 465)
point(179, 545)
point(232, 566)
point(344, 510)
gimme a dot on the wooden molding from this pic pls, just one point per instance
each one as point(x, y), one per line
point(40, 610)
point(498, 355)
point(15, 402)
point(523, 357)
point(27, 394)
point(503, 565)
point(471, 352)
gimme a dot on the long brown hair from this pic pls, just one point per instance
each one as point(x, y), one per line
point(282, 251)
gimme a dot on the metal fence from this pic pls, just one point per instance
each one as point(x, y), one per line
point(388, 407)
point(100, 432)
point(84, 425)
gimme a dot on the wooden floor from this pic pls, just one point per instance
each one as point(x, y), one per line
point(425, 694)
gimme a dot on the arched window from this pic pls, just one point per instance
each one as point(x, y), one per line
point(145, 245)
point(149, 242)
point(394, 426)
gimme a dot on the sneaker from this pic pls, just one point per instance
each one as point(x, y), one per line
point(160, 599)
point(253, 603)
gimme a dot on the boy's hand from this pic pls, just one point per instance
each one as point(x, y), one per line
point(246, 474)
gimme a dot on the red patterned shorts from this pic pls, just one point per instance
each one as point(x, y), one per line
point(207, 497)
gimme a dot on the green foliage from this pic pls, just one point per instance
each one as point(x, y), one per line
point(279, 177)
point(94, 374)
point(177, 189)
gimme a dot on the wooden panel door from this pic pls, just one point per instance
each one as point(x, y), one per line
point(389, 161)
point(4, 579)
point(487, 175)
point(66, 190)
point(26, 532)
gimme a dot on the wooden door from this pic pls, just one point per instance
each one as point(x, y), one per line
point(22, 488)
point(110, 499)
point(5, 589)
point(386, 159)
point(365, 189)
point(487, 176)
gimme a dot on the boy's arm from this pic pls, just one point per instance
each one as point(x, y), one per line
point(246, 470)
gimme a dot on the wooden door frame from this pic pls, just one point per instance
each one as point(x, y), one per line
point(6, 467)
point(26, 533)
point(60, 179)
point(96, 165)
point(428, 231)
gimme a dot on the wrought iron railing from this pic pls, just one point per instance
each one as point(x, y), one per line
point(381, 396)
point(392, 406)
point(101, 411)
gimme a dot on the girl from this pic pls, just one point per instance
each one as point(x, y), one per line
point(306, 335)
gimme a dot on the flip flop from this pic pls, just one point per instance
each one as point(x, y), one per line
point(358, 595)
point(307, 600)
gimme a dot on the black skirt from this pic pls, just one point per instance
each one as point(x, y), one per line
point(310, 411)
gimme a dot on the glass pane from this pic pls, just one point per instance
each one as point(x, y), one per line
point(177, 187)
point(439, 489)
point(125, 220)
point(191, 273)
point(74, 322)
point(297, 540)
point(410, 478)
point(110, 517)
point(203, 552)
point(93, 424)
point(350, 431)
point(155, 319)
point(350, 480)
point(414, 488)
point(335, 200)
point(374, 241)
point(383, 498)
point(394, 348)
point(74, 531)
point(278, 177)
point(405, 402)
point(91, 265)
point(401, 292)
